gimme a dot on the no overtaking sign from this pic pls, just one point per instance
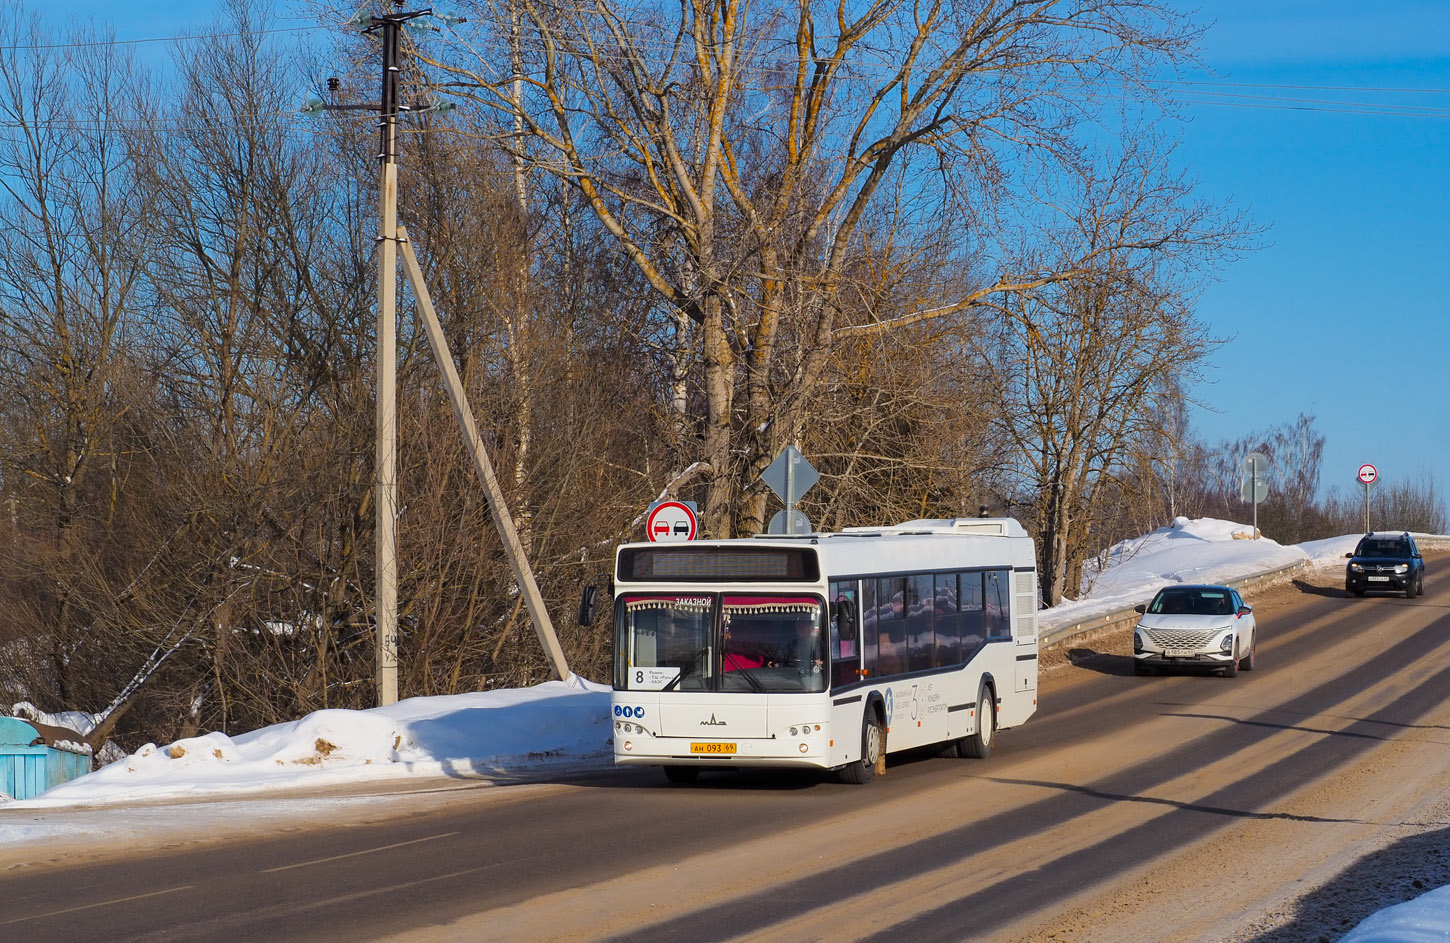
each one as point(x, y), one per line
point(671, 521)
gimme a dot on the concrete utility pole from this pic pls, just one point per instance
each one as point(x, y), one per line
point(385, 615)
point(386, 509)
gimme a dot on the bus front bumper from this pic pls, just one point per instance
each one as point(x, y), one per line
point(812, 751)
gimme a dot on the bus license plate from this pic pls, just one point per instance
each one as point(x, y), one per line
point(1179, 652)
point(712, 748)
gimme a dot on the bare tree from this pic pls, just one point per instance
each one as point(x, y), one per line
point(1086, 366)
point(70, 256)
point(733, 152)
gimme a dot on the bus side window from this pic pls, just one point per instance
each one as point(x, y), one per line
point(999, 626)
point(870, 626)
point(974, 629)
point(920, 619)
point(948, 622)
point(891, 624)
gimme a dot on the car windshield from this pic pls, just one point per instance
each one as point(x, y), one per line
point(1183, 601)
point(719, 642)
point(1383, 548)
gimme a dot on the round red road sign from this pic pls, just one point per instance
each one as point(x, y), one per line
point(671, 520)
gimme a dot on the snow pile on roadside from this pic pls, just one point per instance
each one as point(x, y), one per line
point(1206, 550)
point(464, 735)
point(1426, 919)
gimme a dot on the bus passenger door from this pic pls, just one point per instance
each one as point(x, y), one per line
point(845, 653)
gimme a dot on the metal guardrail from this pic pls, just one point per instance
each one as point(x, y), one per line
point(1112, 620)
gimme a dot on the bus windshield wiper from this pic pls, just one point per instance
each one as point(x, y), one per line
point(688, 669)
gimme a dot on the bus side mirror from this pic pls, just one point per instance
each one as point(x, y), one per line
point(588, 604)
point(845, 620)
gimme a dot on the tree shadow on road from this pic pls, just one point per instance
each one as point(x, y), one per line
point(1393, 875)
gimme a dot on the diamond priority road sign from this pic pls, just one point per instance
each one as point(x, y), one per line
point(790, 476)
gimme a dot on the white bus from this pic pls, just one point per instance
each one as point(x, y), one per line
point(823, 650)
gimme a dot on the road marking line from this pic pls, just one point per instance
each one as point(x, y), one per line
point(354, 854)
point(102, 903)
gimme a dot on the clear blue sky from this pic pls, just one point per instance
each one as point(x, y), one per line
point(1344, 314)
point(1329, 120)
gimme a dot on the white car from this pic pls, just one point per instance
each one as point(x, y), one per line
point(1205, 627)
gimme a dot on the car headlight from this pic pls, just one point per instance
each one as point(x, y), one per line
point(1227, 645)
point(1356, 568)
point(1138, 642)
point(1402, 568)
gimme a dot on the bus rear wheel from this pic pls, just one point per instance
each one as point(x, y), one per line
point(978, 746)
point(873, 746)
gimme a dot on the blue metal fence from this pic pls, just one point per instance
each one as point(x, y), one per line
point(28, 766)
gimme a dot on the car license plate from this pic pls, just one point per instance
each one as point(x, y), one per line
point(1379, 579)
point(712, 748)
point(1179, 652)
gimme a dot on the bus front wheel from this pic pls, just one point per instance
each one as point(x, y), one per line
point(873, 747)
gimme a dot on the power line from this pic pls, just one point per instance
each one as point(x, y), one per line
point(88, 44)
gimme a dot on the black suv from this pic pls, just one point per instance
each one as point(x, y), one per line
point(1385, 563)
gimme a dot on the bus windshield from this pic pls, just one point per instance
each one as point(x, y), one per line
point(758, 642)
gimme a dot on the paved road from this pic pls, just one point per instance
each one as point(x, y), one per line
point(1129, 808)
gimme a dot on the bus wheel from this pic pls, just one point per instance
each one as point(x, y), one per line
point(682, 774)
point(873, 743)
point(979, 745)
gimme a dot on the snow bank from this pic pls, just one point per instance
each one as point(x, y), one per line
point(471, 735)
point(1426, 919)
point(1206, 550)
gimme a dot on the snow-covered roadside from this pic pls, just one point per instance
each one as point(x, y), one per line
point(476, 736)
point(558, 726)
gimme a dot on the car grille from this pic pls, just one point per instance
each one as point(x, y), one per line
point(1179, 638)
